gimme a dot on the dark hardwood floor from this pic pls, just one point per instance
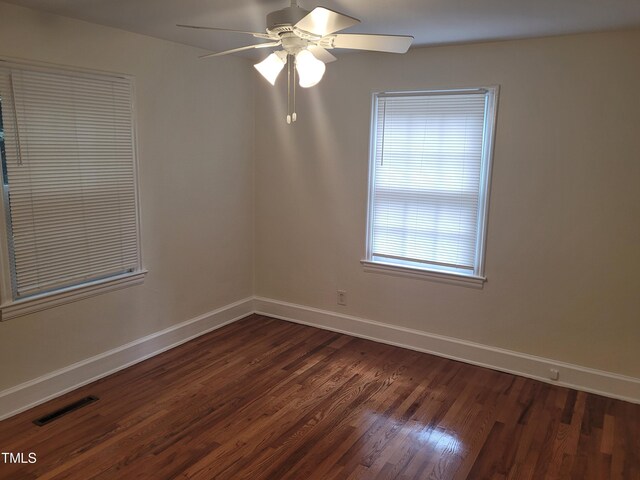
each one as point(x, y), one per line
point(267, 399)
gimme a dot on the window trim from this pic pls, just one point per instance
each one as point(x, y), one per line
point(477, 278)
point(11, 308)
point(43, 301)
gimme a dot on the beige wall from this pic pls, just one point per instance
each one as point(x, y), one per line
point(563, 247)
point(195, 125)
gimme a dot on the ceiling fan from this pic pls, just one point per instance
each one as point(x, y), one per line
point(306, 38)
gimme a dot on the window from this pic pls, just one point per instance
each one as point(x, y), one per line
point(69, 186)
point(429, 182)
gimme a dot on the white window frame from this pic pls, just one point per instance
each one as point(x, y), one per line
point(11, 307)
point(477, 278)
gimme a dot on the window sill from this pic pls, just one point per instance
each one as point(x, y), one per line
point(472, 281)
point(18, 308)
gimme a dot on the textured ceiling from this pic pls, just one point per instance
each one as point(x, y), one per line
point(431, 22)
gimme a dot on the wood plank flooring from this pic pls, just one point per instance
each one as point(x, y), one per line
point(267, 399)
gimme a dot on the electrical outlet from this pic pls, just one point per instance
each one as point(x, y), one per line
point(554, 374)
point(342, 297)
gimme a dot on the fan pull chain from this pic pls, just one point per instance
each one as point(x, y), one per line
point(294, 116)
point(289, 90)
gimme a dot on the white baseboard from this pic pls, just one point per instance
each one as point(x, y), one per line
point(572, 376)
point(34, 392)
point(29, 394)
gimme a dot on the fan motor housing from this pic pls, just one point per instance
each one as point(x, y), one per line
point(287, 17)
point(292, 43)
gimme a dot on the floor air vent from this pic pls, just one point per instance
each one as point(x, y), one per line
point(50, 417)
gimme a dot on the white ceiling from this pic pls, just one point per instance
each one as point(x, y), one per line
point(431, 22)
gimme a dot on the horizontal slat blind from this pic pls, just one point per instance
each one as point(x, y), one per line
point(427, 174)
point(71, 178)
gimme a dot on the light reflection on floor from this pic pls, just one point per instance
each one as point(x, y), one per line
point(435, 438)
point(438, 439)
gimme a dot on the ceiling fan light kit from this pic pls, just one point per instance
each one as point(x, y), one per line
point(271, 66)
point(310, 69)
point(305, 37)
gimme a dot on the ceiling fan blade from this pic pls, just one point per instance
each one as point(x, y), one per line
point(255, 34)
point(321, 54)
point(376, 43)
point(322, 21)
point(248, 47)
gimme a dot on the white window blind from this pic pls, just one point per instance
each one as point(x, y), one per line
point(430, 155)
point(70, 179)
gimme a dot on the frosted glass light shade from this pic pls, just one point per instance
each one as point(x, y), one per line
point(271, 66)
point(310, 69)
